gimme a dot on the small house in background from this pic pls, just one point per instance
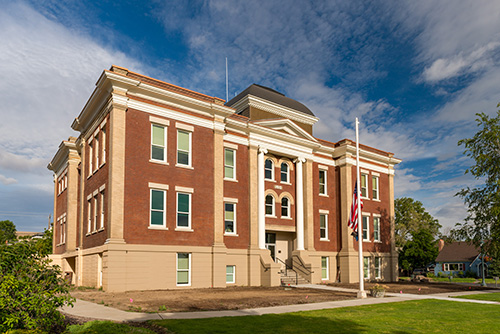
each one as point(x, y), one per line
point(457, 258)
point(33, 235)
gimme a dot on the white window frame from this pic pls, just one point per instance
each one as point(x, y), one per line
point(233, 167)
point(325, 192)
point(89, 215)
point(273, 214)
point(446, 266)
point(164, 211)
point(190, 160)
point(91, 158)
point(323, 228)
point(365, 187)
point(367, 227)
point(233, 275)
point(234, 218)
point(378, 267)
point(272, 170)
point(366, 267)
point(177, 269)
point(103, 145)
point(375, 190)
point(101, 227)
point(164, 143)
point(288, 215)
point(287, 173)
point(60, 221)
point(327, 268)
point(96, 213)
point(376, 229)
point(96, 152)
point(177, 211)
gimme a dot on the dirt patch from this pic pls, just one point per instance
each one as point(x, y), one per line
point(232, 298)
point(423, 288)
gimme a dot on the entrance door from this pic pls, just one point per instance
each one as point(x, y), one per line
point(271, 244)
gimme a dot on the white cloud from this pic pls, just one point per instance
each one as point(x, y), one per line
point(406, 183)
point(7, 180)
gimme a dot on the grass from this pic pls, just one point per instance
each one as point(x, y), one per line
point(462, 280)
point(424, 316)
point(105, 327)
point(494, 297)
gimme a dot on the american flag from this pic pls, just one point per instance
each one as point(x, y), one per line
point(353, 218)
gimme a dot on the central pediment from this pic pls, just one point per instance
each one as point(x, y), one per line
point(286, 126)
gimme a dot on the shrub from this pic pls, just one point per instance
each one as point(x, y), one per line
point(431, 275)
point(470, 274)
point(31, 289)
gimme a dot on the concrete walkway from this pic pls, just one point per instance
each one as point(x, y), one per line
point(95, 311)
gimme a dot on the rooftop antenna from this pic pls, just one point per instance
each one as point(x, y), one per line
point(227, 85)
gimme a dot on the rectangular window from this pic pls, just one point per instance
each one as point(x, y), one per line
point(366, 230)
point(285, 172)
point(229, 164)
point(323, 226)
point(183, 268)
point(229, 218)
point(378, 268)
point(103, 145)
point(230, 271)
point(102, 210)
point(364, 185)
point(366, 267)
point(324, 268)
point(96, 151)
point(375, 187)
point(89, 215)
point(453, 267)
point(96, 213)
point(322, 182)
point(376, 228)
point(183, 210)
point(61, 231)
point(158, 143)
point(64, 230)
point(158, 200)
point(91, 158)
point(183, 148)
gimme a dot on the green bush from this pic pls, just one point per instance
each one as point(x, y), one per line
point(431, 275)
point(470, 274)
point(31, 289)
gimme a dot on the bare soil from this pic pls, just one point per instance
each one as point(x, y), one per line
point(422, 288)
point(232, 298)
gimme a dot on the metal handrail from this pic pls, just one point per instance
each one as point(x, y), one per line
point(303, 266)
point(289, 267)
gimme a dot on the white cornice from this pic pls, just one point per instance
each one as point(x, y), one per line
point(274, 108)
point(286, 125)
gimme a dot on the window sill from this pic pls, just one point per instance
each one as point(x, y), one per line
point(268, 216)
point(324, 239)
point(159, 162)
point(287, 183)
point(183, 284)
point(58, 245)
point(184, 166)
point(270, 180)
point(287, 218)
point(324, 195)
point(378, 241)
point(230, 180)
point(366, 240)
point(100, 166)
point(376, 200)
point(184, 229)
point(94, 232)
point(226, 234)
point(101, 229)
point(152, 227)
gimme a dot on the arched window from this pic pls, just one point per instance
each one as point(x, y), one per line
point(269, 170)
point(285, 207)
point(285, 172)
point(269, 205)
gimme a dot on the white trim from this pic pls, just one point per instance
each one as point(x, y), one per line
point(159, 186)
point(234, 218)
point(234, 274)
point(326, 226)
point(287, 173)
point(326, 212)
point(367, 215)
point(101, 188)
point(272, 170)
point(325, 184)
point(273, 213)
point(379, 237)
point(327, 268)
point(164, 211)
point(184, 127)
point(289, 215)
point(159, 121)
point(183, 270)
point(190, 148)
point(229, 166)
point(165, 135)
point(375, 174)
point(231, 200)
point(184, 189)
point(189, 212)
point(231, 146)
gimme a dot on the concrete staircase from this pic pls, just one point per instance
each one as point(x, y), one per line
point(288, 277)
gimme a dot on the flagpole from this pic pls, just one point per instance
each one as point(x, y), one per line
point(361, 292)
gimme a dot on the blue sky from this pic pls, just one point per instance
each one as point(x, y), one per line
point(414, 72)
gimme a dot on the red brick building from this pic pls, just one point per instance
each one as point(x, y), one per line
point(167, 188)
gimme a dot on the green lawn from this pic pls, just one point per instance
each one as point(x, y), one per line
point(105, 327)
point(425, 316)
point(494, 297)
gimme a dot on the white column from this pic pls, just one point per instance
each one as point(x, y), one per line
point(300, 203)
point(261, 198)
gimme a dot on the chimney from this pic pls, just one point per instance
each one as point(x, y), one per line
point(440, 244)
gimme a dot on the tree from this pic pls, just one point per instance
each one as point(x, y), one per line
point(482, 222)
point(7, 231)
point(419, 251)
point(411, 217)
point(31, 290)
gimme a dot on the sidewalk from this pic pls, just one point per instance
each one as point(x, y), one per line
point(95, 311)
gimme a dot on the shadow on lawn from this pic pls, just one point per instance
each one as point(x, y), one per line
point(271, 323)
